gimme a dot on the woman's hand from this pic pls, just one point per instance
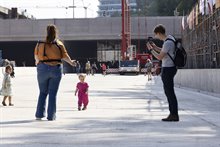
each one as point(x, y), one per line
point(73, 62)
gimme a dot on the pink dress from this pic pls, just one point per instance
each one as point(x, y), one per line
point(82, 96)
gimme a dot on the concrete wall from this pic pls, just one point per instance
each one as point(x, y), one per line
point(202, 79)
point(84, 29)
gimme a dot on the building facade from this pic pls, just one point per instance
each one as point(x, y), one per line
point(111, 8)
point(96, 39)
point(14, 13)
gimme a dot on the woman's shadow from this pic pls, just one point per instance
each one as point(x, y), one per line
point(18, 122)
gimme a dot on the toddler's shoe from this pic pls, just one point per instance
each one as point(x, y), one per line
point(84, 108)
point(79, 108)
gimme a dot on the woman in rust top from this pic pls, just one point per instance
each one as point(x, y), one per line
point(48, 56)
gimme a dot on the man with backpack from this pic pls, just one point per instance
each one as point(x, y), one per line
point(169, 69)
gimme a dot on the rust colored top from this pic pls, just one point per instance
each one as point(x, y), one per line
point(52, 52)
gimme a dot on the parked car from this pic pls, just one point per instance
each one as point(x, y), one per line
point(129, 66)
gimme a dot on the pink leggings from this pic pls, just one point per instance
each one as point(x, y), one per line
point(83, 100)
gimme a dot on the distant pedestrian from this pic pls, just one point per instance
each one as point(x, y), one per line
point(149, 66)
point(82, 90)
point(6, 90)
point(99, 66)
point(169, 69)
point(78, 67)
point(94, 68)
point(104, 69)
point(49, 55)
point(88, 68)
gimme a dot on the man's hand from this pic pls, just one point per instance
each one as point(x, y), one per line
point(149, 46)
point(153, 45)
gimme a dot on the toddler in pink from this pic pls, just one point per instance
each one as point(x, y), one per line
point(82, 90)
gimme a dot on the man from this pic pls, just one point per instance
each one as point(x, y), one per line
point(168, 68)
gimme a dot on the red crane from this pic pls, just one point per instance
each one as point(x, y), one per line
point(126, 28)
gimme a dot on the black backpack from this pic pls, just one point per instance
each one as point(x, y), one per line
point(180, 55)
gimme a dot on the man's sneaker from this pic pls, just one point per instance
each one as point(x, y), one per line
point(4, 104)
point(51, 119)
point(79, 108)
point(171, 118)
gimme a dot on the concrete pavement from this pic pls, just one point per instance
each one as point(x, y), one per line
point(124, 111)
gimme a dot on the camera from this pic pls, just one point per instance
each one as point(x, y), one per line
point(150, 40)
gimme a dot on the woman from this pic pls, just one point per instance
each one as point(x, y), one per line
point(48, 56)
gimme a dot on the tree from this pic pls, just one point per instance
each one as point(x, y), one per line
point(164, 7)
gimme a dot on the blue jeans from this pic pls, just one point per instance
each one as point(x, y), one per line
point(48, 81)
point(168, 74)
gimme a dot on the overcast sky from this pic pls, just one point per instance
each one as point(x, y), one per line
point(53, 8)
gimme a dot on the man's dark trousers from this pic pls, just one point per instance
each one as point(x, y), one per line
point(168, 74)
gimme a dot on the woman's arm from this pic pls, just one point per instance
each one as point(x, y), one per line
point(36, 59)
point(65, 55)
point(36, 54)
point(68, 60)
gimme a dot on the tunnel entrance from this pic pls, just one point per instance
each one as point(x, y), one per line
point(22, 52)
point(81, 51)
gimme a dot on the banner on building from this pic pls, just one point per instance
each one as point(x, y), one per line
point(197, 14)
point(190, 20)
point(202, 7)
point(217, 4)
point(183, 23)
point(214, 2)
point(209, 6)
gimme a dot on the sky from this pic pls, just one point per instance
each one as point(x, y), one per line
point(43, 9)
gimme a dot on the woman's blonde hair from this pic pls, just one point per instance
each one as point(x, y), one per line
point(51, 33)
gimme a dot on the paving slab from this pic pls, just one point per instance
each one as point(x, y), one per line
point(124, 111)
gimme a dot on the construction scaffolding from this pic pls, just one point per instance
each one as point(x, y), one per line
point(126, 28)
point(202, 40)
